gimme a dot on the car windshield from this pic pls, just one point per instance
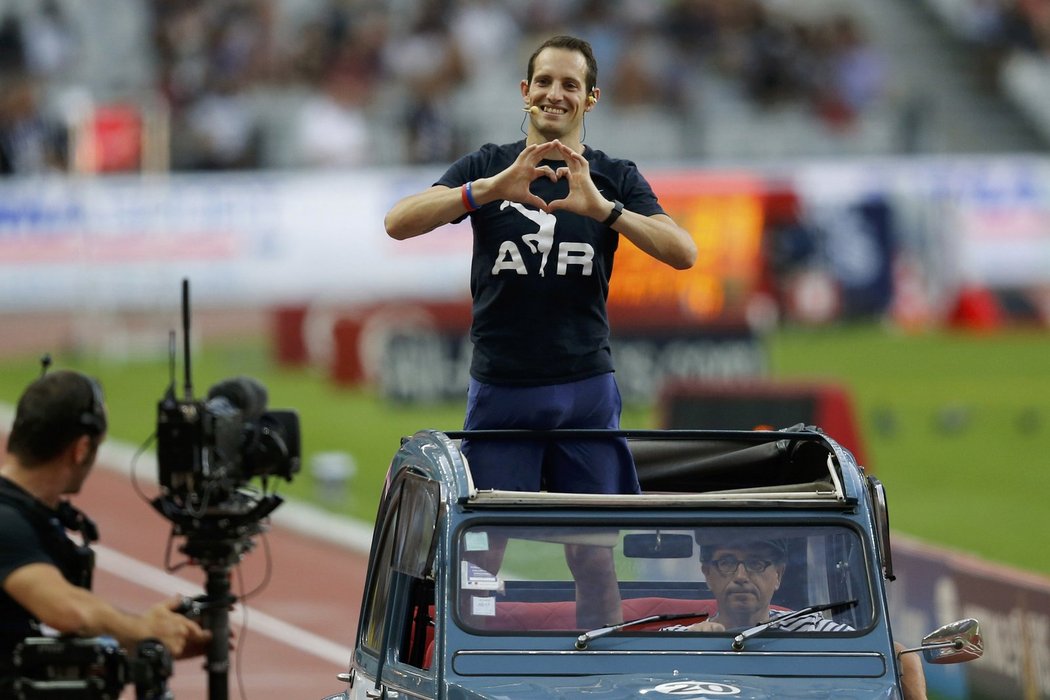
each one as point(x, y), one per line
point(519, 578)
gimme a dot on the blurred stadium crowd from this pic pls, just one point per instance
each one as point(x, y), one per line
point(120, 85)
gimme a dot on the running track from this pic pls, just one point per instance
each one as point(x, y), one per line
point(292, 637)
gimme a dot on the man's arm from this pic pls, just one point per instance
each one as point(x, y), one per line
point(43, 591)
point(421, 213)
point(659, 236)
point(913, 678)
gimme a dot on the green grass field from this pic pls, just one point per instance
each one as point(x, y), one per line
point(956, 426)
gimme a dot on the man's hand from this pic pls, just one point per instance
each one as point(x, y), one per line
point(706, 626)
point(584, 197)
point(512, 184)
point(181, 635)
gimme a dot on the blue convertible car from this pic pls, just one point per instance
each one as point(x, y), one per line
point(510, 595)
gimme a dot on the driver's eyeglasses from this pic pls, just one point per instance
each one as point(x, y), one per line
point(727, 566)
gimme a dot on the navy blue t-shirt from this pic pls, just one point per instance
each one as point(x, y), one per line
point(540, 281)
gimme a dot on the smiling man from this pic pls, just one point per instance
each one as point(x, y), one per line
point(548, 213)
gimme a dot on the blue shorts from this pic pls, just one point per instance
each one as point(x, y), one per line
point(566, 466)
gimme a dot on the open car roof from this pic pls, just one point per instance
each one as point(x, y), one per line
point(715, 467)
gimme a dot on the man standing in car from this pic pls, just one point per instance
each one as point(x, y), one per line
point(548, 213)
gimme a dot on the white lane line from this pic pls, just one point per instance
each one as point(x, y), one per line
point(298, 516)
point(151, 577)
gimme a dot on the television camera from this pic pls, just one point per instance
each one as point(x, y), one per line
point(207, 453)
point(207, 450)
point(90, 668)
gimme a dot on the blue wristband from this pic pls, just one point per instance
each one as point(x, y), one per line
point(467, 189)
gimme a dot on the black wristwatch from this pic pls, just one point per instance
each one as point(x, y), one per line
point(614, 214)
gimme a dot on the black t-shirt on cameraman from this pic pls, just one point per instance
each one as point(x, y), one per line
point(30, 533)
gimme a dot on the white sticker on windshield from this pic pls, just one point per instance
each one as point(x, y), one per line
point(483, 605)
point(474, 578)
point(476, 541)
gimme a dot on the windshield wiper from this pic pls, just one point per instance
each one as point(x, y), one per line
point(584, 639)
point(738, 641)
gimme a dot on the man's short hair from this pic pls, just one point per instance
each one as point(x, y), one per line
point(569, 43)
point(52, 412)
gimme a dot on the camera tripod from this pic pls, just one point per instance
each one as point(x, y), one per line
point(216, 542)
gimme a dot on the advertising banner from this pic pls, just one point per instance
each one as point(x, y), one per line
point(429, 363)
point(725, 215)
point(243, 239)
point(935, 587)
point(125, 242)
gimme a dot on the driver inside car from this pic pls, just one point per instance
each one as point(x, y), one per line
point(743, 574)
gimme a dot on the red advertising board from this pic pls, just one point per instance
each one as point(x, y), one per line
point(726, 214)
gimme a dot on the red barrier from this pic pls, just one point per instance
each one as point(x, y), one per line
point(347, 367)
point(289, 338)
point(356, 330)
point(976, 309)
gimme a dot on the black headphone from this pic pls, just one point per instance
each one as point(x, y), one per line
point(94, 417)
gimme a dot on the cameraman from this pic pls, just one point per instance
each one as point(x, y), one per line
point(45, 576)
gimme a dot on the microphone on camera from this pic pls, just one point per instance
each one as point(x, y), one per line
point(244, 393)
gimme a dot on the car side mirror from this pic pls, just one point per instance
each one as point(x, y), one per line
point(955, 643)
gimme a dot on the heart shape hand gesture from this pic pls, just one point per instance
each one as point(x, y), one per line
point(583, 198)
